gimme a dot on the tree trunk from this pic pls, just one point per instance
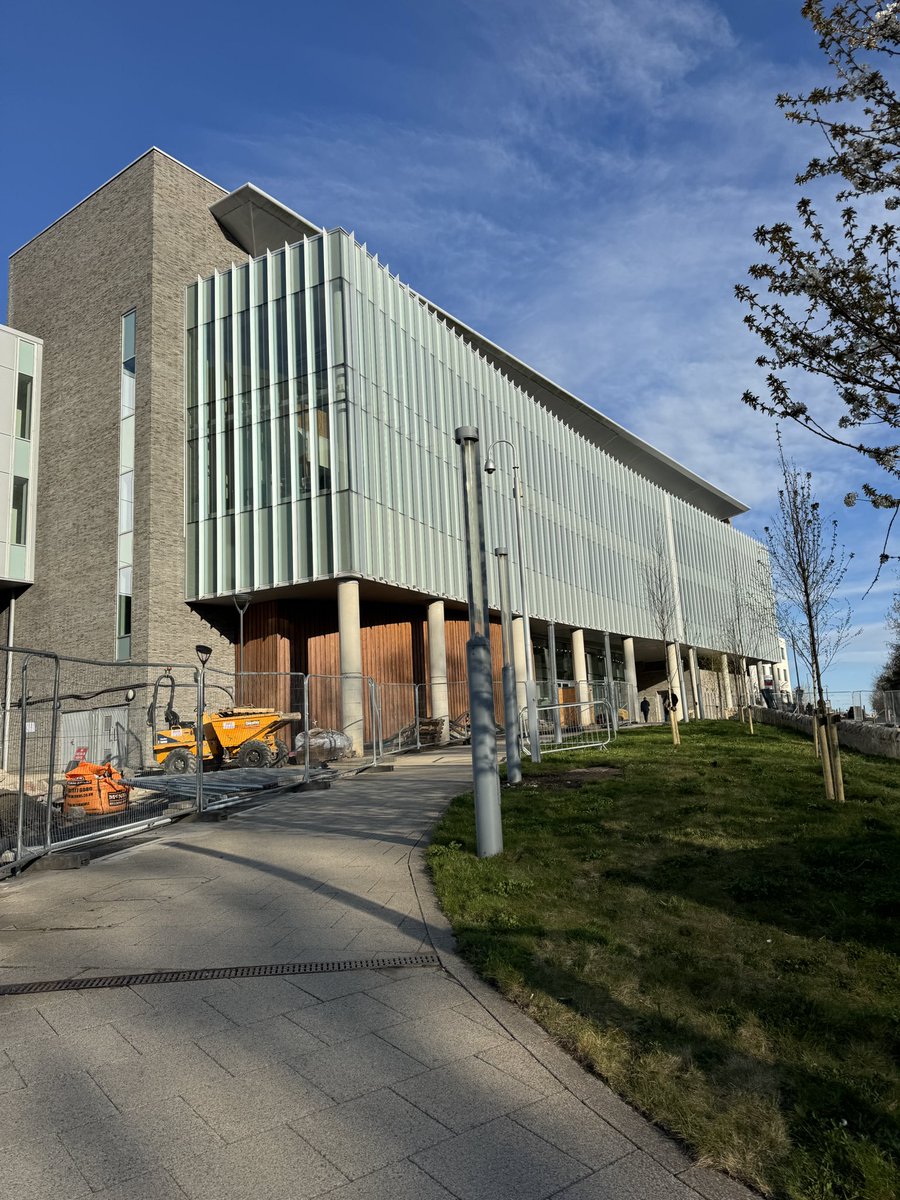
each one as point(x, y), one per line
point(821, 719)
point(837, 769)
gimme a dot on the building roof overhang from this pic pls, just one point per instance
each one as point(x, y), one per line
point(258, 222)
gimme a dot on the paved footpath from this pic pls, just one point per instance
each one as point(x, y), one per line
point(402, 1084)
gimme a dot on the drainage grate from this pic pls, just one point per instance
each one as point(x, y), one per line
point(268, 969)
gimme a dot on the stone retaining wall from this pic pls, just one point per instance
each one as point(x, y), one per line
point(882, 741)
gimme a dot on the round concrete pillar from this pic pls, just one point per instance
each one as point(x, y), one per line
point(519, 661)
point(579, 670)
point(437, 669)
point(352, 684)
point(631, 676)
point(673, 678)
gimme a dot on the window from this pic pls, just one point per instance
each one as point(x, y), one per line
point(24, 389)
point(18, 521)
point(126, 484)
point(123, 629)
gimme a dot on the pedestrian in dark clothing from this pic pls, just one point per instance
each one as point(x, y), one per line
point(671, 703)
point(645, 709)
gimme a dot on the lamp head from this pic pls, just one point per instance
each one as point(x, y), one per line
point(490, 466)
point(203, 653)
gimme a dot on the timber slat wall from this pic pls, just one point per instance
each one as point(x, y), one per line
point(302, 636)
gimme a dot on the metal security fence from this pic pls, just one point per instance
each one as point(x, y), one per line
point(64, 717)
point(571, 726)
point(91, 750)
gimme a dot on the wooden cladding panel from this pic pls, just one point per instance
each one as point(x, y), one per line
point(267, 657)
point(302, 636)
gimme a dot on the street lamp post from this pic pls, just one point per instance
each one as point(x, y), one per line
point(203, 653)
point(241, 603)
point(534, 741)
point(486, 779)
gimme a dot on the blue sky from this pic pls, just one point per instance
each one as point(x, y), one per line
point(579, 180)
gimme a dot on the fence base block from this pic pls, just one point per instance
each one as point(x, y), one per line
point(70, 861)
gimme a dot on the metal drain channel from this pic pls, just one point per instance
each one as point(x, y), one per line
point(259, 972)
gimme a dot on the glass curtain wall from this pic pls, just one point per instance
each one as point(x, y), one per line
point(322, 399)
point(268, 474)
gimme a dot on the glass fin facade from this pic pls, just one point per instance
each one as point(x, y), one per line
point(322, 398)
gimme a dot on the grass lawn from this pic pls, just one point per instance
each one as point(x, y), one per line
point(710, 937)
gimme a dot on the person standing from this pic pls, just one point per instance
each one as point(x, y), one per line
point(645, 709)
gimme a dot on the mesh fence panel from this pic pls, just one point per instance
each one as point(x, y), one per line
point(63, 717)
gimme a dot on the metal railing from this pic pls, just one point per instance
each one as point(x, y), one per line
point(60, 712)
point(572, 725)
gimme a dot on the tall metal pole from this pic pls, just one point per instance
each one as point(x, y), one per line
point(513, 757)
point(534, 737)
point(486, 778)
point(203, 653)
point(241, 603)
point(199, 736)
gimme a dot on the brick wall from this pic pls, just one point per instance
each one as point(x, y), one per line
point(133, 244)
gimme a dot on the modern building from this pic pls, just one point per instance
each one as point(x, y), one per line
point(239, 402)
point(20, 408)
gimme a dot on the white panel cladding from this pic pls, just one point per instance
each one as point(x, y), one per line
point(356, 438)
point(20, 407)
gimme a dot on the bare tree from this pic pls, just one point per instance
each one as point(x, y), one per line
point(659, 591)
point(809, 566)
point(747, 624)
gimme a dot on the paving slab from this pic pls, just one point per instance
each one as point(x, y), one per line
point(414, 1083)
point(500, 1160)
point(400, 1181)
point(633, 1177)
point(356, 1067)
point(276, 1164)
point(465, 1093)
point(370, 1132)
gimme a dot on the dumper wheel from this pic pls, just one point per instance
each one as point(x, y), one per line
point(254, 754)
point(281, 753)
point(180, 762)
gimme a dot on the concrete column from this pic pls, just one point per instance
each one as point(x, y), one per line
point(612, 692)
point(697, 683)
point(753, 672)
point(683, 689)
point(554, 682)
point(352, 685)
point(437, 669)
point(519, 661)
point(579, 669)
point(726, 684)
point(673, 678)
point(631, 677)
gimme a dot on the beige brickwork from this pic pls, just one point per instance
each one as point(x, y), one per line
point(135, 243)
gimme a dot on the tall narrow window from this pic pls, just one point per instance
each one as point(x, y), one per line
point(18, 520)
point(126, 490)
point(24, 389)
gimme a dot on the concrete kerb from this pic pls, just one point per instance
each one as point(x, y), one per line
point(575, 1079)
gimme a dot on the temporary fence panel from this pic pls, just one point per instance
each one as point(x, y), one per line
point(77, 747)
point(401, 706)
point(563, 726)
point(347, 706)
